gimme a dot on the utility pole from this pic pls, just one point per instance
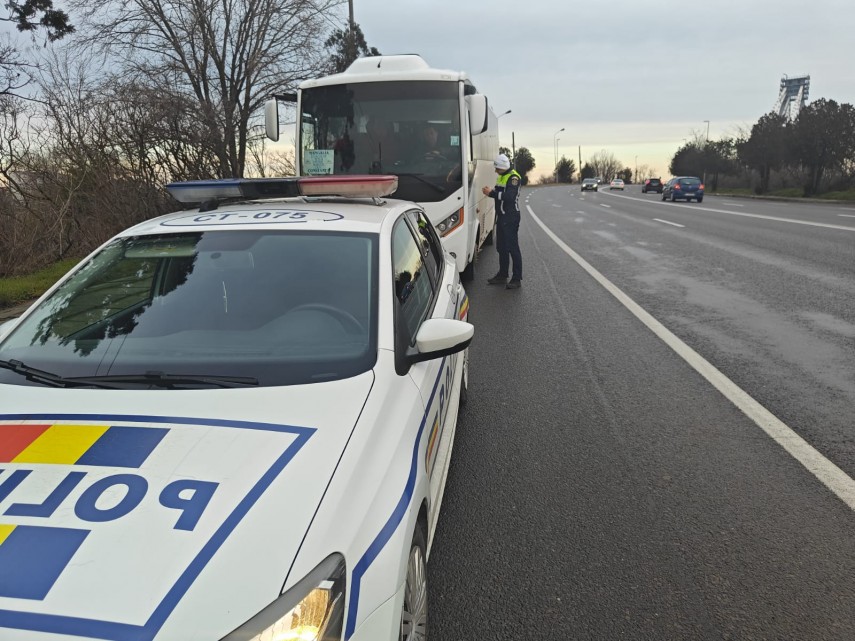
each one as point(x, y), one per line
point(706, 151)
point(514, 149)
point(580, 163)
point(351, 37)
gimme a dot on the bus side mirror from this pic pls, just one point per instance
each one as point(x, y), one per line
point(271, 119)
point(477, 107)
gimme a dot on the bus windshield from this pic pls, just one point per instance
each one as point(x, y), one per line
point(407, 128)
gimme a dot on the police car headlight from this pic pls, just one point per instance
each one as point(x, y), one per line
point(312, 610)
point(451, 223)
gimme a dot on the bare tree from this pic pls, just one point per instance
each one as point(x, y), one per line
point(28, 16)
point(228, 57)
point(605, 165)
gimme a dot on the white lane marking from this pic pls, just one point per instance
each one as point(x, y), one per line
point(701, 207)
point(667, 222)
point(847, 215)
point(605, 205)
point(579, 211)
point(848, 208)
point(827, 472)
point(730, 204)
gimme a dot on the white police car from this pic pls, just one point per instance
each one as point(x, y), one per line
point(234, 423)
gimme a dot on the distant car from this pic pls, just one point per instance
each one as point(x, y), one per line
point(652, 184)
point(590, 184)
point(249, 408)
point(684, 188)
point(617, 183)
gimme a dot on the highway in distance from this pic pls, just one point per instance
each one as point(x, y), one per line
point(658, 439)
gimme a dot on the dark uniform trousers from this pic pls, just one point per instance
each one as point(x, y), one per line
point(508, 243)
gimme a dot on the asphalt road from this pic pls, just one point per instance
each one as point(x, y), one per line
point(601, 487)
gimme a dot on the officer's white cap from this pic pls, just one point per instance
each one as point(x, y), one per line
point(502, 162)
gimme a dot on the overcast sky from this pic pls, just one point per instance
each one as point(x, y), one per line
point(632, 77)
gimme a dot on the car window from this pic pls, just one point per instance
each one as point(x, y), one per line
point(282, 307)
point(690, 181)
point(413, 288)
point(431, 247)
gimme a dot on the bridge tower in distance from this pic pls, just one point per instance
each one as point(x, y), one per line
point(792, 96)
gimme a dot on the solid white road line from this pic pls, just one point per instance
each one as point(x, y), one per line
point(827, 472)
point(668, 222)
point(701, 207)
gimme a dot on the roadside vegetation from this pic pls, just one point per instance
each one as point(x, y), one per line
point(20, 289)
point(812, 156)
point(125, 97)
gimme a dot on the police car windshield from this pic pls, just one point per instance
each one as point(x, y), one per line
point(284, 308)
point(407, 128)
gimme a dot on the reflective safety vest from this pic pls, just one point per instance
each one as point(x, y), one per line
point(508, 192)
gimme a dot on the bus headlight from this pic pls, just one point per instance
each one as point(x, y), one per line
point(312, 610)
point(451, 223)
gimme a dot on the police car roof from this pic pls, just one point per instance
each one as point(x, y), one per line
point(326, 214)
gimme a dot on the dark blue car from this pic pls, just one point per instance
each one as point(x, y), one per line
point(684, 188)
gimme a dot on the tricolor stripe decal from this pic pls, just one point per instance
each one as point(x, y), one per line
point(464, 308)
point(63, 444)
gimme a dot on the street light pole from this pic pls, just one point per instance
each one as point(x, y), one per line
point(706, 144)
point(555, 152)
point(636, 170)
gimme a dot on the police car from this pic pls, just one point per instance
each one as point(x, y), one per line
point(234, 422)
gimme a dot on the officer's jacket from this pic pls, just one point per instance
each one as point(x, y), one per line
point(507, 193)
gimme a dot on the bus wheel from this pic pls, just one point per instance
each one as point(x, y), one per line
point(468, 274)
point(488, 241)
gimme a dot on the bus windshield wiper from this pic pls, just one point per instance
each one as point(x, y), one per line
point(47, 378)
point(161, 379)
point(420, 179)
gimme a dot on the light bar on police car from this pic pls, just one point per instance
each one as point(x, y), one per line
point(197, 191)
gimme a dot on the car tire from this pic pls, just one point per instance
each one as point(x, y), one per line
point(701, 199)
point(663, 196)
point(673, 197)
point(414, 611)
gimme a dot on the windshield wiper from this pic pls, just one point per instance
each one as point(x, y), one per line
point(47, 378)
point(161, 379)
point(420, 179)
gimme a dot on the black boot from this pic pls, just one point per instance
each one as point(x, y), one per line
point(498, 279)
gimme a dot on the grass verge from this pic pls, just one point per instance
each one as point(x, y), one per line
point(18, 289)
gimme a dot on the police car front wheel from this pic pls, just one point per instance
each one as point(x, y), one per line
point(415, 609)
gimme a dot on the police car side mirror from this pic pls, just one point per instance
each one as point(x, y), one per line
point(438, 337)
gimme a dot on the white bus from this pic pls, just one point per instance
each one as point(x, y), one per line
point(396, 115)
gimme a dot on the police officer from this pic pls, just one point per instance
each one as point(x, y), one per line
point(506, 193)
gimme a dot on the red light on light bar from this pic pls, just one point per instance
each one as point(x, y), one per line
point(349, 186)
point(199, 191)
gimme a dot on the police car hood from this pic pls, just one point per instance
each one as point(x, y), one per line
point(168, 515)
